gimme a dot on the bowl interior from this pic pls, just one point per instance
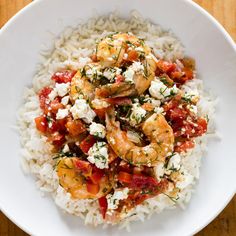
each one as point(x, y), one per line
point(26, 35)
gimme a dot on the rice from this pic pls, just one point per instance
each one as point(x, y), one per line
point(78, 42)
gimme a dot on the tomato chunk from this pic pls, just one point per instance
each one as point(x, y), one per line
point(87, 143)
point(63, 76)
point(83, 166)
point(43, 96)
point(119, 101)
point(202, 126)
point(75, 127)
point(56, 105)
point(124, 177)
point(138, 196)
point(103, 206)
point(94, 58)
point(96, 176)
point(52, 126)
point(92, 188)
point(57, 139)
point(41, 123)
point(137, 181)
point(165, 66)
point(143, 182)
point(177, 114)
point(120, 78)
point(101, 113)
point(184, 146)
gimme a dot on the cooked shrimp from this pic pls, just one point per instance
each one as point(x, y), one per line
point(122, 89)
point(141, 82)
point(80, 85)
point(74, 181)
point(113, 49)
point(157, 130)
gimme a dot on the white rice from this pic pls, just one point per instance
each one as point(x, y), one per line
point(68, 48)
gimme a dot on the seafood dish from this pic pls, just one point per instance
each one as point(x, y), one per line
point(116, 121)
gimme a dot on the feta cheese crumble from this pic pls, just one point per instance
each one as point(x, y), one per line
point(82, 110)
point(52, 95)
point(159, 110)
point(159, 170)
point(174, 162)
point(98, 155)
point(62, 113)
point(65, 100)
point(160, 91)
point(137, 67)
point(62, 89)
point(111, 73)
point(66, 149)
point(185, 180)
point(114, 199)
point(137, 115)
point(193, 109)
point(129, 74)
point(97, 130)
point(93, 73)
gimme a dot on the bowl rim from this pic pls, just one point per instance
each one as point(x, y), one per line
point(191, 4)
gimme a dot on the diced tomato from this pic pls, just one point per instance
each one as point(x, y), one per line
point(75, 127)
point(87, 143)
point(132, 55)
point(61, 124)
point(177, 114)
point(52, 126)
point(165, 66)
point(201, 127)
point(143, 182)
point(94, 58)
point(57, 139)
point(184, 146)
point(56, 105)
point(63, 76)
point(83, 166)
point(120, 78)
point(43, 96)
point(56, 125)
point(176, 76)
point(188, 130)
point(188, 73)
point(119, 101)
point(101, 113)
point(41, 123)
point(103, 206)
point(125, 166)
point(124, 177)
point(182, 76)
point(138, 169)
point(92, 188)
point(173, 103)
point(137, 196)
point(96, 175)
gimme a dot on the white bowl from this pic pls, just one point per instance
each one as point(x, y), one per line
point(21, 40)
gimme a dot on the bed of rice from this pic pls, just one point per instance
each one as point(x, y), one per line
point(68, 48)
